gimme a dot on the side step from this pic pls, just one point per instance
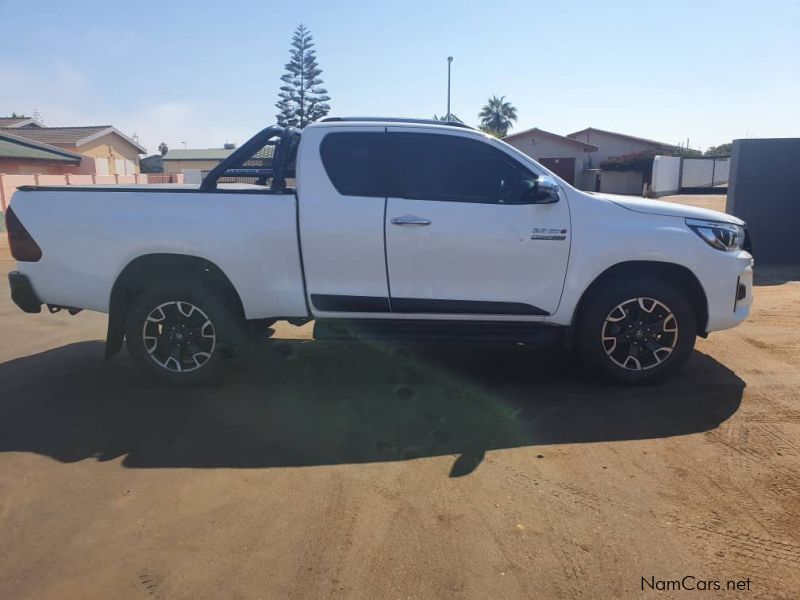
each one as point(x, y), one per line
point(429, 331)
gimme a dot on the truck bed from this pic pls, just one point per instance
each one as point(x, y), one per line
point(89, 234)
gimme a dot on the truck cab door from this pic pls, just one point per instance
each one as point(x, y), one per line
point(463, 234)
point(341, 187)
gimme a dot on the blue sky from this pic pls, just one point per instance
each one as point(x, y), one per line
point(206, 73)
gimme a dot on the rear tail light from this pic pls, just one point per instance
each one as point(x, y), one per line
point(23, 247)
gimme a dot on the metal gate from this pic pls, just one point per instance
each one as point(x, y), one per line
point(706, 175)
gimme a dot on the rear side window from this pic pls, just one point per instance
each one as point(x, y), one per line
point(455, 169)
point(355, 162)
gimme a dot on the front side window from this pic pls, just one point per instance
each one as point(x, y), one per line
point(455, 169)
point(355, 162)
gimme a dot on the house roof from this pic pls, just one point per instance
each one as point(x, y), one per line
point(14, 122)
point(18, 148)
point(71, 136)
point(567, 140)
point(199, 154)
point(624, 136)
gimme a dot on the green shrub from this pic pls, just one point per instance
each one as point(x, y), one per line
point(641, 162)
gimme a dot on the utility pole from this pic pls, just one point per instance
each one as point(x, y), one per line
point(449, 62)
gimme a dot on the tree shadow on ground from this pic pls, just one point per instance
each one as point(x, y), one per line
point(302, 403)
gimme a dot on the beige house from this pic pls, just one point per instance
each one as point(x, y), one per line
point(113, 153)
point(610, 144)
point(203, 159)
point(564, 156)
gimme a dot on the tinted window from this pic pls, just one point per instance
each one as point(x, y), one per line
point(455, 169)
point(355, 162)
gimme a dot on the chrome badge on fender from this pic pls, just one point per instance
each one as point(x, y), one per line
point(543, 233)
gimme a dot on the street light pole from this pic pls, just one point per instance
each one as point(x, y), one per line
point(449, 62)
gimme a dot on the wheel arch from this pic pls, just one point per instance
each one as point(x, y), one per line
point(678, 275)
point(150, 269)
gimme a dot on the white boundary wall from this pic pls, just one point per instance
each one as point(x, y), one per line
point(10, 183)
point(666, 175)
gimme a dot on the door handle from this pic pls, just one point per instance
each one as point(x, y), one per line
point(410, 220)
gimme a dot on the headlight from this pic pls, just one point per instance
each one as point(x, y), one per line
point(722, 236)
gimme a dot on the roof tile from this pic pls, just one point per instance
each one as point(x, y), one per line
point(19, 148)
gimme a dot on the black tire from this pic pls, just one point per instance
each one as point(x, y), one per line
point(615, 343)
point(188, 365)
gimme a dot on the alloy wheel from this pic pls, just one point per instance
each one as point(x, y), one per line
point(179, 336)
point(639, 333)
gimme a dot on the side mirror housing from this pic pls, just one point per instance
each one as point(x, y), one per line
point(544, 191)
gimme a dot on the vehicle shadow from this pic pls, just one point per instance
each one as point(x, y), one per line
point(768, 275)
point(322, 403)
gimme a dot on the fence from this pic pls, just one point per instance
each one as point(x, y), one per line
point(9, 183)
point(763, 192)
point(705, 175)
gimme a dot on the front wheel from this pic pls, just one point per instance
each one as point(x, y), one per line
point(637, 332)
point(177, 335)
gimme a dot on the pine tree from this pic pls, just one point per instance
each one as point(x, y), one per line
point(302, 99)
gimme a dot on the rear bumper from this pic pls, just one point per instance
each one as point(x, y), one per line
point(22, 293)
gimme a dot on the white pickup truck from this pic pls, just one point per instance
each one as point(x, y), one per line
point(394, 228)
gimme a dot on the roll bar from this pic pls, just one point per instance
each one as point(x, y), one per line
point(234, 165)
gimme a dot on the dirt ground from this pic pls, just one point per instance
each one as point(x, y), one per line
point(378, 471)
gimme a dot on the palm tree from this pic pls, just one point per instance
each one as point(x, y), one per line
point(497, 116)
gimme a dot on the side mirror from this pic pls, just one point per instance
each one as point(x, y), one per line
point(544, 191)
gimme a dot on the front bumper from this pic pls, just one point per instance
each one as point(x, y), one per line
point(727, 279)
point(22, 293)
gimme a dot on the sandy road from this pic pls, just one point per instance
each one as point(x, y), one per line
point(387, 471)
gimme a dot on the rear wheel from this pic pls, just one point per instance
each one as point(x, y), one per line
point(178, 335)
point(637, 332)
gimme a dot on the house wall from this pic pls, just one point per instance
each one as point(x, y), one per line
point(194, 176)
point(29, 167)
point(177, 166)
point(87, 166)
point(621, 182)
point(612, 145)
point(114, 149)
point(540, 146)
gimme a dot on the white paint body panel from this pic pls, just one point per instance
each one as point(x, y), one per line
point(469, 252)
point(473, 251)
point(342, 236)
point(87, 239)
point(477, 252)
